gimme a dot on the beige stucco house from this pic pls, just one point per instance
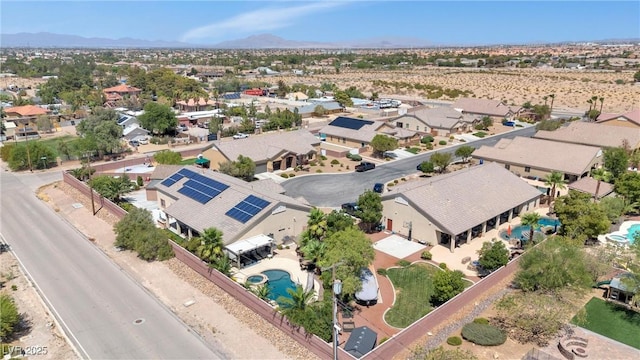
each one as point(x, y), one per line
point(603, 135)
point(358, 133)
point(629, 119)
point(440, 121)
point(194, 199)
point(537, 158)
point(270, 152)
point(479, 108)
point(454, 208)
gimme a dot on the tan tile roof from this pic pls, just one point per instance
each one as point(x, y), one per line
point(588, 185)
point(567, 158)
point(633, 116)
point(194, 102)
point(484, 107)
point(593, 134)
point(122, 88)
point(212, 214)
point(458, 201)
point(440, 117)
point(364, 134)
point(164, 171)
point(261, 148)
point(27, 110)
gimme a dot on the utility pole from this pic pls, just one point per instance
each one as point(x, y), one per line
point(28, 151)
point(93, 205)
point(337, 290)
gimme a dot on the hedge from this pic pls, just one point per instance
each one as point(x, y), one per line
point(483, 334)
point(454, 341)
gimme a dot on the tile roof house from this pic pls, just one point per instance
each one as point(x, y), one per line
point(194, 199)
point(25, 111)
point(116, 93)
point(195, 104)
point(459, 205)
point(593, 134)
point(439, 121)
point(270, 152)
point(628, 119)
point(486, 107)
point(330, 107)
point(536, 158)
point(590, 186)
point(358, 133)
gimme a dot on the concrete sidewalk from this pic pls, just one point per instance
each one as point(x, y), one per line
point(204, 313)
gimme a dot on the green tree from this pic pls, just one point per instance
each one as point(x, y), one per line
point(616, 161)
point(354, 251)
point(465, 152)
point(485, 123)
point(262, 292)
point(556, 180)
point(22, 155)
point(441, 161)
point(553, 265)
point(628, 186)
point(314, 250)
point(319, 111)
point(243, 168)
point(369, 209)
point(427, 167)
point(381, 143)
point(636, 76)
point(338, 221)
point(297, 302)
point(158, 118)
point(531, 219)
point(101, 132)
point(211, 245)
point(136, 231)
point(581, 218)
point(447, 284)
point(493, 255)
point(342, 98)
point(9, 317)
point(110, 187)
point(316, 226)
point(44, 123)
point(613, 206)
point(167, 157)
point(599, 174)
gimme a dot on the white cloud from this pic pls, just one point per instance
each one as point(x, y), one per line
point(259, 20)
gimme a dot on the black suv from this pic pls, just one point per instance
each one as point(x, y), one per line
point(378, 187)
point(364, 166)
point(350, 208)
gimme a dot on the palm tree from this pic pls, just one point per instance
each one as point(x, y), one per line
point(590, 102)
point(317, 224)
point(545, 100)
point(297, 302)
point(531, 219)
point(556, 181)
point(314, 250)
point(222, 264)
point(601, 103)
point(553, 97)
point(261, 291)
point(210, 248)
point(598, 174)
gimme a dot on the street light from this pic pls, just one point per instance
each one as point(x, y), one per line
point(337, 290)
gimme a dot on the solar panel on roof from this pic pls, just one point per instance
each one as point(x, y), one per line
point(350, 123)
point(247, 208)
point(172, 179)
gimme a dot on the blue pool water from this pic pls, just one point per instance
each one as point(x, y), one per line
point(521, 231)
point(633, 230)
point(278, 283)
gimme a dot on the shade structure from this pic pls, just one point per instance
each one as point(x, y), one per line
point(202, 161)
point(361, 341)
point(369, 292)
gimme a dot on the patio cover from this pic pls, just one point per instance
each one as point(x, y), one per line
point(361, 341)
point(248, 244)
point(202, 161)
point(369, 291)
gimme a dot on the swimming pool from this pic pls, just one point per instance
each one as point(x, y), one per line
point(278, 282)
point(626, 235)
point(522, 231)
point(632, 232)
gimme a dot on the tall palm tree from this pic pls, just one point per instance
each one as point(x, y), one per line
point(297, 302)
point(222, 264)
point(211, 245)
point(590, 102)
point(317, 224)
point(598, 174)
point(261, 291)
point(531, 219)
point(556, 181)
point(545, 100)
point(553, 97)
point(601, 103)
point(314, 250)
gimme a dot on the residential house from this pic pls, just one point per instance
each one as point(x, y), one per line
point(439, 121)
point(249, 216)
point(454, 208)
point(358, 133)
point(191, 105)
point(25, 119)
point(628, 119)
point(297, 96)
point(119, 92)
point(593, 134)
point(26, 111)
point(270, 152)
point(595, 188)
point(160, 172)
point(479, 108)
point(330, 107)
point(537, 158)
point(126, 120)
point(134, 132)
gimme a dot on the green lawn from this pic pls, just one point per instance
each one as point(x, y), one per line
point(480, 134)
point(607, 319)
point(188, 161)
point(414, 288)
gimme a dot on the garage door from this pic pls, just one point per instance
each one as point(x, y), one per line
point(261, 168)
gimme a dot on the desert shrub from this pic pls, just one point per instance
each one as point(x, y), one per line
point(382, 271)
point(139, 180)
point(442, 142)
point(292, 175)
point(454, 341)
point(390, 184)
point(319, 170)
point(313, 163)
point(426, 255)
point(9, 315)
point(322, 157)
point(429, 146)
point(451, 137)
point(335, 162)
point(480, 320)
point(356, 157)
point(483, 334)
point(383, 340)
point(395, 181)
point(286, 176)
point(462, 140)
point(403, 263)
point(442, 266)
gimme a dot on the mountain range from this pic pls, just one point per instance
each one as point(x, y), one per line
point(262, 41)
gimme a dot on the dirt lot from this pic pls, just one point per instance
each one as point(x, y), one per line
point(43, 331)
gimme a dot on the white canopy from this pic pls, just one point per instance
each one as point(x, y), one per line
point(246, 245)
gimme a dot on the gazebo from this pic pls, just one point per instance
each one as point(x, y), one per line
point(251, 249)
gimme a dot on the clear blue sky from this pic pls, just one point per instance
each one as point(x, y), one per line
point(438, 22)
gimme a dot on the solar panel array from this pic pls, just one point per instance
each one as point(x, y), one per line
point(350, 123)
point(231, 96)
point(247, 208)
point(199, 187)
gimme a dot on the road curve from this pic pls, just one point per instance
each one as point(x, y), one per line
point(96, 302)
point(332, 190)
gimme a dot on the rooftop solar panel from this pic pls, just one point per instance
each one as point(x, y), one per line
point(350, 123)
point(172, 179)
point(247, 208)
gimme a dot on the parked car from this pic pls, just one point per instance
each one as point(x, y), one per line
point(364, 166)
point(143, 141)
point(378, 187)
point(240, 136)
point(134, 143)
point(350, 208)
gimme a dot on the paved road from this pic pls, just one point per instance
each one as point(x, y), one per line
point(331, 190)
point(96, 301)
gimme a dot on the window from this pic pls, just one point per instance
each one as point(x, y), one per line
point(507, 166)
point(527, 169)
point(399, 124)
point(162, 203)
point(417, 127)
